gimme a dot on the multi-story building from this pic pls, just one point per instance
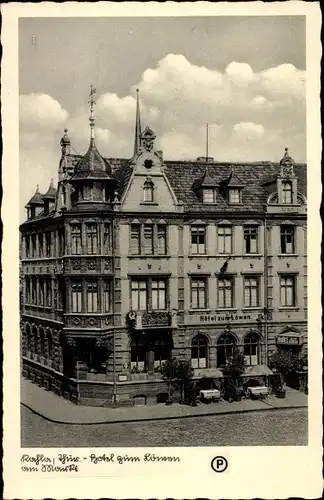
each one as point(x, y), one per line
point(129, 262)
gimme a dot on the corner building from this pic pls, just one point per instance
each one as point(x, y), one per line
point(128, 262)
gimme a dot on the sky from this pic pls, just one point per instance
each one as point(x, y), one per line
point(244, 76)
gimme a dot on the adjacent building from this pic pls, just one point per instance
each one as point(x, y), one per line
point(127, 262)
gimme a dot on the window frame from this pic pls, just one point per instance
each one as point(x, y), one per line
point(198, 230)
point(92, 306)
point(248, 233)
point(197, 290)
point(250, 289)
point(210, 191)
point(76, 291)
point(284, 192)
point(223, 289)
point(91, 231)
point(76, 239)
point(136, 291)
point(284, 234)
point(148, 189)
point(158, 289)
point(199, 342)
point(284, 287)
point(221, 237)
point(231, 192)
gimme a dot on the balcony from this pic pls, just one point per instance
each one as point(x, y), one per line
point(140, 320)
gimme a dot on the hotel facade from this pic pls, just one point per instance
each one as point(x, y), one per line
point(127, 262)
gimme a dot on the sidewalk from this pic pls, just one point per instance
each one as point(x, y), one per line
point(56, 409)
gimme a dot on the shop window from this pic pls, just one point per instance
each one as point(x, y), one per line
point(162, 352)
point(199, 348)
point(251, 349)
point(225, 348)
point(138, 356)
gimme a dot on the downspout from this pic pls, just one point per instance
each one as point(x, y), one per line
point(265, 252)
point(113, 246)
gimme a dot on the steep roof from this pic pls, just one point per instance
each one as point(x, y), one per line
point(51, 192)
point(36, 199)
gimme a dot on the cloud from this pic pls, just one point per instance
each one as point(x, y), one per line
point(252, 116)
point(41, 110)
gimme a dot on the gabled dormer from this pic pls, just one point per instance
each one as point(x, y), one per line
point(35, 206)
point(232, 188)
point(287, 181)
point(49, 198)
point(205, 188)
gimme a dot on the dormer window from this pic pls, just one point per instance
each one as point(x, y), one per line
point(148, 190)
point(234, 196)
point(286, 193)
point(208, 195)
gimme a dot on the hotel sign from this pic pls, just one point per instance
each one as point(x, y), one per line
point(220, 318)
point(288, 340)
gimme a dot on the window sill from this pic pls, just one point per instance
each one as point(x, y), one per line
point(252, 256)
point(149, 203)
point(250, 309)
point(225, 309)
point(149, 256)
point(287, 255)
point(288, 308)
point(198, 256)
point(199, 311)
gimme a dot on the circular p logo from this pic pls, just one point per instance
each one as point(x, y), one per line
point(219, 464)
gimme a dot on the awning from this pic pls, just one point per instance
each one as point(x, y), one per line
point(208, 372)
point(258, 370)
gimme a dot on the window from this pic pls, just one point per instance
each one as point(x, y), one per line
point(61, 238)
point(287, 239)
point(148, 239)
point(49, 292)
point(92, 238)
point(208, 196)
point(225, 292)
point(162, 352)
point(251, 349)
point(135, 246)
point(107, 240)
point(41, 292)
point(225, 348)
point(33, 244)
point(107, 296)
point(76, 297)
point(148, 191)
point(138, 356)
point(287, 291)
point(139, 295)
point(41, 245)
point(27, 247)
point(27, 284)
point(158, 294)
point(225, 239)
point(251, 291)
point(287, 193)
point(199, 352)
point(198, 293)
point(198, 239)
point(33, 291)
point(48, 243)
point(250, 239)
point(92, 297)
point(161, 239)
point(76, 239)
point(234, 196)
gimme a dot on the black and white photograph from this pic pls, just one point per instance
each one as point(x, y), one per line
point(163, 233)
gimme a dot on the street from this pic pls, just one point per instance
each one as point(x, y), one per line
point(264, 428)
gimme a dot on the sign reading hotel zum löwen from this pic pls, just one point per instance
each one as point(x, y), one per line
point(216, 318)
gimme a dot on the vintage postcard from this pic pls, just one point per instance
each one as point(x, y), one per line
point(161, 251)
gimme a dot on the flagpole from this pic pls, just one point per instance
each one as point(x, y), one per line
point(206, 142)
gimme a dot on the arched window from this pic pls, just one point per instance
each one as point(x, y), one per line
point(251, 349)
point(225, 347)
point(287, 193)
point(148, 191)
point(199, 351)
point(138, 356)
point(34, 340)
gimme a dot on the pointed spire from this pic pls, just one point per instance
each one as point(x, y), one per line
point(92, 102)
point(138, 130)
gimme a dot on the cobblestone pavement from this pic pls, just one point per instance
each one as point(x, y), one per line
point(261, 428)
point(53, 407)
